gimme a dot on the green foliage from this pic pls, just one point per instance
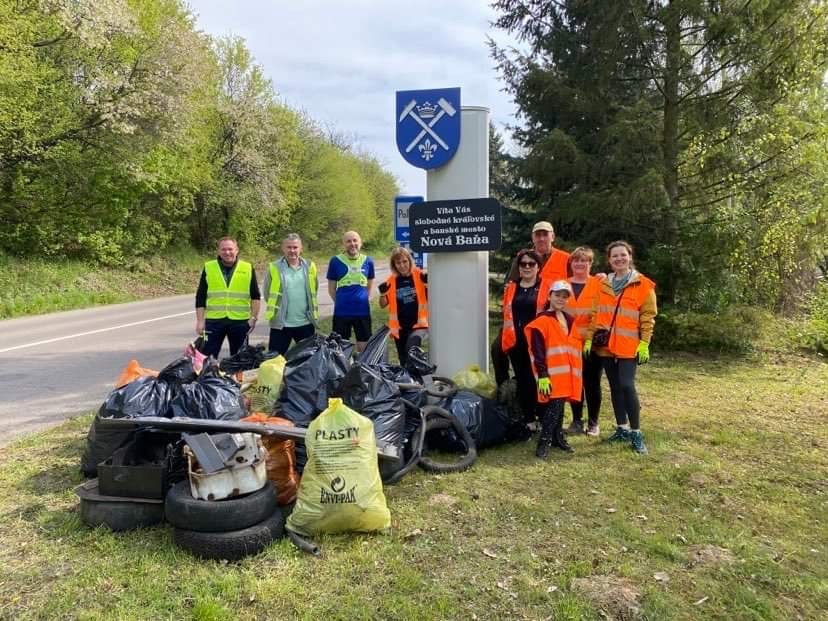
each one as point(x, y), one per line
point(694, 130)
point(735, 329)
point(811, 333)
point(123, 131)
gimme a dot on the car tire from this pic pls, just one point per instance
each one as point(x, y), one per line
point(235, 544)
point(239, 512)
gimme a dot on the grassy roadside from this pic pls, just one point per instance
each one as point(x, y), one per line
point(33, 287)
point(725, 519)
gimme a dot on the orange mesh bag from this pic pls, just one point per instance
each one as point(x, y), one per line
point(281, 458)
point(132, 371)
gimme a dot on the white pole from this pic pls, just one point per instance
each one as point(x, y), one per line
point(458, 290)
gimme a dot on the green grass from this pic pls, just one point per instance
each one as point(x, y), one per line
point(738, 459)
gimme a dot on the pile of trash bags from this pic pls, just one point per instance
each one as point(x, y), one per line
point(413, 411)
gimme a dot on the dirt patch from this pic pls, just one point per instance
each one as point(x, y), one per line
point(697, 479)
point(445, 500)
point(709, 555)
point(616, 597)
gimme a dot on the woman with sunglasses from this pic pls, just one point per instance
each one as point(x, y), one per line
point(523, 299)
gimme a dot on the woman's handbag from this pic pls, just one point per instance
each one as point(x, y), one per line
point(602, 335)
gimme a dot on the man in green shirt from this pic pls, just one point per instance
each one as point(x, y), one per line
point(290, 288)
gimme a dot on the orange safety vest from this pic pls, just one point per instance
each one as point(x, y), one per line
point(625, 334)
point(556, 267)
point(586, 304)
point(422, 302)
point(509, 337)
point(564, 364)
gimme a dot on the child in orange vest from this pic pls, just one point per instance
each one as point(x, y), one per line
point(555, 351)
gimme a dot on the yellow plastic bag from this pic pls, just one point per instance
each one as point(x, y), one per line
point(341, 489)
point(472, 378)
point(264, 392)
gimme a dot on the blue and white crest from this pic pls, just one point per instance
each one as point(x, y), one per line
point(428, 126)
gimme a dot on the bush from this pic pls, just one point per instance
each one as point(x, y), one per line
point(812, 332)
point(735, 329)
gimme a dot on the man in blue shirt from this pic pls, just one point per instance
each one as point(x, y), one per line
point(350, 279)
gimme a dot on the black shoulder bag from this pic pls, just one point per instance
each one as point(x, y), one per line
point(602, 335)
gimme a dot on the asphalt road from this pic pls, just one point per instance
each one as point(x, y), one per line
point(56, 366)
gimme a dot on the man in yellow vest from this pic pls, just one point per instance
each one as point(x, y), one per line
point(350, 279)
point(227, 300)
point(290, 288)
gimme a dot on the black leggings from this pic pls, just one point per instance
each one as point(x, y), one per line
point(591, 392)
point(526, 385)
point(621, 376)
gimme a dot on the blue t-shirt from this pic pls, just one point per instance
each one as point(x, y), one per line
point(351, 301)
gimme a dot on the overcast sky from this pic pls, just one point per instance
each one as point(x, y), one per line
point(342, 61)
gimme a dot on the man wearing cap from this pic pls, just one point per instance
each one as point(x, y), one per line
point(553, 265)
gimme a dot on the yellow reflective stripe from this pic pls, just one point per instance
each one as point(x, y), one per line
point(392, 316)
point(579, 311)
point(605, 308)
point(509, 324)
point(228, 294)
point(626, 312)
point(228, 307)
point(576, 372)
point(562, 370)
point(562, 349)
point(624, 332)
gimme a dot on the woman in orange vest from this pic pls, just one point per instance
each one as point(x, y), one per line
point(620, 334)
point(521, 303)
point(405, 293)
point(555, 351)
point(582, 305)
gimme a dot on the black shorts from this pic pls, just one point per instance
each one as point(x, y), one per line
point(361, 325)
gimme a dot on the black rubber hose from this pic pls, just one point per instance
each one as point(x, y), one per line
point(417, 440)
point(305, 545)
point(438, 418)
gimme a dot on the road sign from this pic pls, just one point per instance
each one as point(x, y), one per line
point(428, 126)
point(461, 225)
point(401, 221)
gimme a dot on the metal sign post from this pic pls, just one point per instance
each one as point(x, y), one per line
point(458, 292)
point(402, 228)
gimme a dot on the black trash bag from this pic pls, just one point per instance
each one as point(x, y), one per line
point(248, 357)
point(145, 396)
point(489, 423)
point(376, 350)
point(314, 368)
point(365, 390)
point(212, 396)
point(180, 371)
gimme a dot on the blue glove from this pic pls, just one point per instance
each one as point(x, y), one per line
point(544, 386)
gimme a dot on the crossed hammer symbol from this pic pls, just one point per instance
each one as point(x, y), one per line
point(445, 108)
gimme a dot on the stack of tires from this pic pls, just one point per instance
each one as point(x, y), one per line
point(228, 529)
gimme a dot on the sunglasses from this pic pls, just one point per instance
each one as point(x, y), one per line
point(527, 264)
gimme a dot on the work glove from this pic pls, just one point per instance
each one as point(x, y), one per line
point(643, 352)
point(587, 347)
point(544, 386)
point(383, 288)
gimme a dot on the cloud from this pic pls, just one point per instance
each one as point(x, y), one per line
point(342, 62)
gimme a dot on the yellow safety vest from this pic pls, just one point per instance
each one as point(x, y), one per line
point(274, 297)
point(354, 275)
point(228, 301)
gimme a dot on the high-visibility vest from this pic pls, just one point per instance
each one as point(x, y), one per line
point(625, 334)
point(422, 302)
point(564, 364)
point(228, 301)
point(556, 267)
point(586, 304)
point(274, 297)
point(354, 275)
point(509, 337)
